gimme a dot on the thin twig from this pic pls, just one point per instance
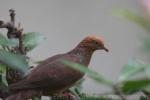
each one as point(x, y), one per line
point(20, 38)
point(12, 17)
point(21, 47)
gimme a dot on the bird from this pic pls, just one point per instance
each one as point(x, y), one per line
point(52, 76)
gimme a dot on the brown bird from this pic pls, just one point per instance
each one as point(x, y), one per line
point(51, 76)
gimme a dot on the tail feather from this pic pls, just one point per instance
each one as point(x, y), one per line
point(15, 97)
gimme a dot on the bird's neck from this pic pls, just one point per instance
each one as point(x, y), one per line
point(84, 54)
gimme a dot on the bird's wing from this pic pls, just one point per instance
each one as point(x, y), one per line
point(51, 75)
point(37, 74)
point(42, 78)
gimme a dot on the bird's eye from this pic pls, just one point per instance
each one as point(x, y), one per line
point(95, 42)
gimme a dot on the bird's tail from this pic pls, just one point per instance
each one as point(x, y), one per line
point(23, 95)
point(15, 97)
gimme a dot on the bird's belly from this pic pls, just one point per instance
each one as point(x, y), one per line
point(63, 85)
point(64, 82)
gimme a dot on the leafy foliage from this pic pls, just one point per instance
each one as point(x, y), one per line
point(127, 87)
point(3, 75)
point(11, 58)
point(134, 85)
point(130, 69)
point(8, 42)
point(15, 61)
point(32, 39)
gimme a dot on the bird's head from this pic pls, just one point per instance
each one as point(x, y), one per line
point(93, 42)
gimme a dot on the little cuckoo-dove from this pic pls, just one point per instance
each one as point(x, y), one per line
point(52, 76)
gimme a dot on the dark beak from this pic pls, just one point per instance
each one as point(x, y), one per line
point(105, 49)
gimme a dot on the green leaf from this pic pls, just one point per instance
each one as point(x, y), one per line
point(8, 42)
point(3, 75)
point(4, 80)
point(2, 68)
point(123, 13)
point(134, 85)
point(14, 61)
point(32, 39)
point(94, 75)
point(130, 69)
